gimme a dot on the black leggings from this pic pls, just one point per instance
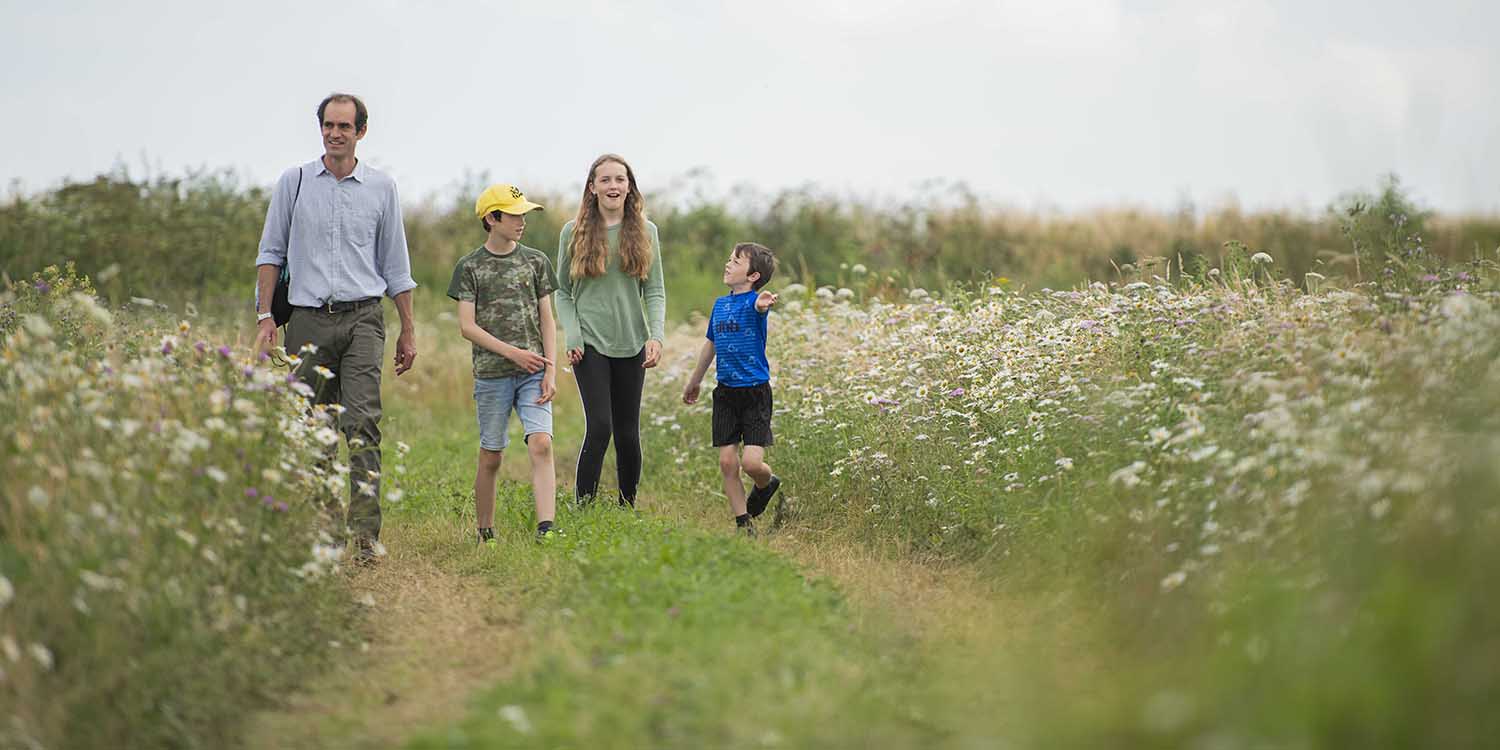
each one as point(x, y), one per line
point(611, 391)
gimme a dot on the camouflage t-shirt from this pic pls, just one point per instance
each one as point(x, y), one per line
point(505, 290)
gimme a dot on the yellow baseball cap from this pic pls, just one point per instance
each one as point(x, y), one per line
point(505, 199)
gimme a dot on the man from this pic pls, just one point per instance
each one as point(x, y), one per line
point(337, 222)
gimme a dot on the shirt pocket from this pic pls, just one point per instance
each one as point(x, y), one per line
point(361, 227)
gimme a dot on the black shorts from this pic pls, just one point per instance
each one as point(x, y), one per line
point(742, 415)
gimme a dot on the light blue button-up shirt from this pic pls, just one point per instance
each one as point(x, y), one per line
point(346, 238)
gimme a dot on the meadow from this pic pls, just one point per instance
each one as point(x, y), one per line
point(1243, 497)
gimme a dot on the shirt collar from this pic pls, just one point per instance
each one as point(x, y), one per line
point(358, 174)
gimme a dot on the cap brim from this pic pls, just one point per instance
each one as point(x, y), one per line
point(524, 207)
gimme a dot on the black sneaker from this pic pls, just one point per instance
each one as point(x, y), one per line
point(486, 536)
point(760, 497)
point(367, 552)
point(549, 534)
point(747, 531)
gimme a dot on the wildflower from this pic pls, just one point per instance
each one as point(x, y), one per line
point(308, 348)
point(7, 591)
point(394, 495)
point(402, 448)
point(844, 293)
point(183, 326)
point(859, 269)
point(216, 474)
point(516, 717)
point(12, 651)
point(42, 656)
point(143, 301)
point(918, 294)
point(187, 538)
point(225, 351)
point(324, 372)
point(1064, 463)
point(38, 496)
point(1173, 580)
point(167, 343)
point(251, 492)
point(956, 392)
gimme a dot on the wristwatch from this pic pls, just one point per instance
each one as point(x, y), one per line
point(261, 316)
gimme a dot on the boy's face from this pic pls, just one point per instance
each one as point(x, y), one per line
point(509, 227)
point(737, 271)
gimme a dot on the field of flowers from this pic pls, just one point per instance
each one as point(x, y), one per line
point(162, 569)
point(1274, 502)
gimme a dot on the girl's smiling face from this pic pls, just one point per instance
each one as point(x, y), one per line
point(610, 185)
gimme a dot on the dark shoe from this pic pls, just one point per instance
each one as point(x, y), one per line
point(367, 551)
point(760, 497)
point(486, 536)
point(544, 536)
point(627, 502)
point(747, 531)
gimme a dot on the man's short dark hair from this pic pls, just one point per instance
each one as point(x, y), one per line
point(762, 261)
point(361, 115)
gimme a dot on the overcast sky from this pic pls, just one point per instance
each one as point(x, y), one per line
point(1068, 104)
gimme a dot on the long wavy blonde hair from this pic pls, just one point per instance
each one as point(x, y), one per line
point(590, 244)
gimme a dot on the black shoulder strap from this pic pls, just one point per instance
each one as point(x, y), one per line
point(292, 222)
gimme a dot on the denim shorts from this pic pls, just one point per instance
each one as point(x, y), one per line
point(494, 399)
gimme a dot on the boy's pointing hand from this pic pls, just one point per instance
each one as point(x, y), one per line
point(764, 301)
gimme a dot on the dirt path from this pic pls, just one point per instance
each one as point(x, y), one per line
point(431, 639)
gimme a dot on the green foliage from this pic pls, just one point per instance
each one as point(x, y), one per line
point(194, 238)
point(158, 577)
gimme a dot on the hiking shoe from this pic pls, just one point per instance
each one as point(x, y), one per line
point(486, 536)
point(627, 502)
point(544, 536)
point(367, 551)
point(747, 531)
point(760, 497)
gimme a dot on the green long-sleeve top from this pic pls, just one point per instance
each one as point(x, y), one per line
point(614, 313)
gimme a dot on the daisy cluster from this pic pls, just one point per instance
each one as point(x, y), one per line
point(161, 497)
point(1188, 422)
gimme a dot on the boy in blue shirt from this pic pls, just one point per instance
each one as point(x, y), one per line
point(742, 399)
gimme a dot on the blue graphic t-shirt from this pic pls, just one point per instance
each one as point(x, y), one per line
point(738, 331)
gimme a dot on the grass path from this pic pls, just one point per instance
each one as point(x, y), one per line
point(651, 629)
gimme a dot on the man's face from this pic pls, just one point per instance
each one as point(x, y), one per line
point(339, 136)
point(510, 227)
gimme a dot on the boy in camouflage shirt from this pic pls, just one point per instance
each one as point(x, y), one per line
point(504, 299)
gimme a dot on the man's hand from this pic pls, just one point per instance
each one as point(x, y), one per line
point(575, 355)
point(653, 354)
point(406, 350)
point(527, 360)
point(265, 337)
point(690, 392)
point(764, 300)
point(549, 387)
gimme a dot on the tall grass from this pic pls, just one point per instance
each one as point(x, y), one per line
point(1275, 508)
point(194, 237)
point(162, 570)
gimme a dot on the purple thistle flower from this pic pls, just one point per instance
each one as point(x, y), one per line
point(166, 346)
point(956, 392)
point(201, 346)
point(280, 507)
point(249, 371)
point(225, 351)
point(42, 286)
point(251, 492)
point(1431, 277)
